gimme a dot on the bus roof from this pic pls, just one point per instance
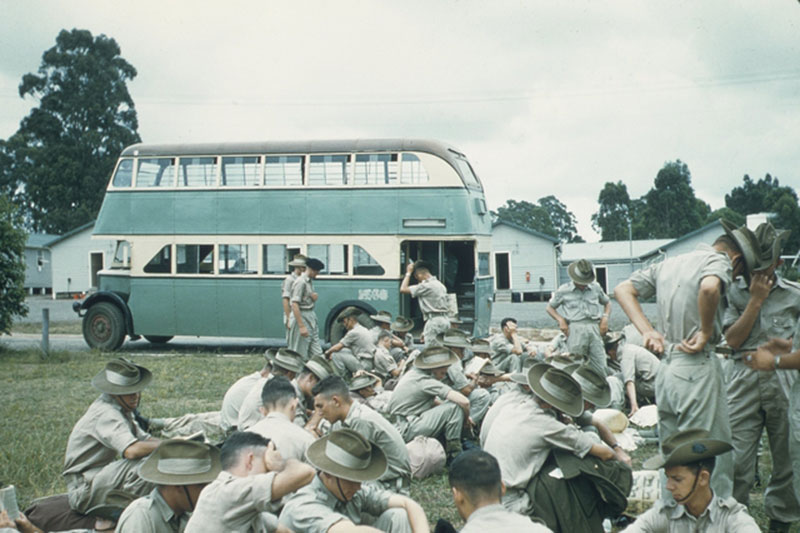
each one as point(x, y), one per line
point(295, 147)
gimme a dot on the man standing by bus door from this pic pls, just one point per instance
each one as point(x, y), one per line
point(298, 266)
point(432, 296)
point(303, 330)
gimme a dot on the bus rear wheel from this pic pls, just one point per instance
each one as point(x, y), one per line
point(337, 330)
point(104, 327)
point(158, 339)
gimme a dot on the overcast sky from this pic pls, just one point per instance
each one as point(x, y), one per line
point(544, 97)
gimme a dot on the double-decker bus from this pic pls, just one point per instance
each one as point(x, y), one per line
point(204, 234)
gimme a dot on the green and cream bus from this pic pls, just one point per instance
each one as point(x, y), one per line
point(204, 233)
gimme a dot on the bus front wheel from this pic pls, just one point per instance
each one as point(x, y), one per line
point(104, 327)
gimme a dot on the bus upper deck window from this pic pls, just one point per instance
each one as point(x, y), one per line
point(156, 172)
point(328, 169)
point(412, 171)
point(375, 169)
point(284, 170)
point(198, 172)
point(124, 175)
point(241, 171)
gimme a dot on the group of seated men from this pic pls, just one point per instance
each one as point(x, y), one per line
point(323, 444)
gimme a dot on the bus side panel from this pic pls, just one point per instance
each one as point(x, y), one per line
point(152, 213)
point(196, 307)
point(372, 211)
point(239, 309)
point(152, 304)
point(192, 210)
point(271, 305)
point(484, 288)
point(382, 294)
point(237, 212)
point(115, 215)
point(282, 212)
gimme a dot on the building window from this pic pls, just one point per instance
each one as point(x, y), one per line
point(483, 263)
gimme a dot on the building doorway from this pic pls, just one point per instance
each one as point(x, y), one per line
point(502, 270)
point(95, 266)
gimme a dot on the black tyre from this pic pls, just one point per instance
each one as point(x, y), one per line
point(158, 339)
point(104, 327)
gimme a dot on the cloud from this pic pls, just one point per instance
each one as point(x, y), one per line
point(544, 97)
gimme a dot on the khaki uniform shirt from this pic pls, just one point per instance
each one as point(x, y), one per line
point(101, 436)
point(314, 509)
point(676, 283)
point(232, 401)
point(290, 439)
point(150, 514)
point(415, 393)
point(500, 347)
point(249, 414)
point(286, 286)
point(235, 504)
point(378, 430)
point(432, 296)
point(496, 519)
point(778, 315)
point(359, 341)
point(384, 362)
point(455, 377)
point(302, 289)
point(515, 394)
point(579, 304)
point(521, 437)
point(637, 363)
point(721, 516)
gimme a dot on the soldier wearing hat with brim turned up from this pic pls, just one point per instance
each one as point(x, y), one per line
point(584, 309)
point(432, 297)
point(688, 459)
point(180, 469)
point(340, 498)
point(689, 288)
point(92, 463)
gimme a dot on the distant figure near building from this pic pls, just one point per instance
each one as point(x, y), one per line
point(585, 308)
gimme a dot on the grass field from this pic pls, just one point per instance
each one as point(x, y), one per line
point(42, 400)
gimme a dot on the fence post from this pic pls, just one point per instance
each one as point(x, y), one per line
point(46, 331)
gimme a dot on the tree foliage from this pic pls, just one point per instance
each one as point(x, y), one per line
point(549, 216)
point(671, 208)
point(12, 264)
point(65, 149)
point(611, 220)
point(767, 195)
